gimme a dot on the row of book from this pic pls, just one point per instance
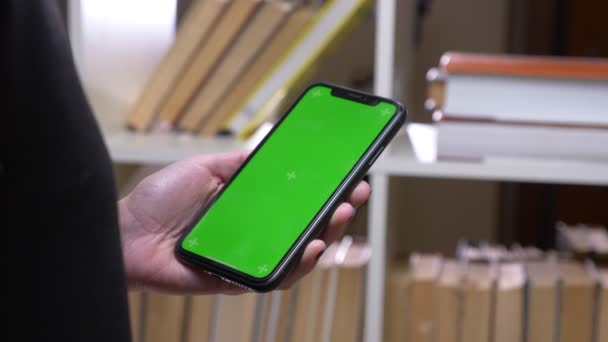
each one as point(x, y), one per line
point(516, 106)
point(493, 293)
point(235, 64)
point(326, 305)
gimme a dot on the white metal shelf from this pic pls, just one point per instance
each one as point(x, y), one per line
point(127, 147)
point(400, 160)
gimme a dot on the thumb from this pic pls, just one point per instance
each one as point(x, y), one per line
point(224, 165)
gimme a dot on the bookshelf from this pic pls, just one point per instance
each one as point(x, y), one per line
point(398, 160)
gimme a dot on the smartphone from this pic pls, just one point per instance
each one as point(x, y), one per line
point(255, 229)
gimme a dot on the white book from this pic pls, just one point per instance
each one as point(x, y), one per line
point(518, 98)
point(478, 140)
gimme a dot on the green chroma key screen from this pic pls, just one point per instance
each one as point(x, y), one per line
point(261, 214)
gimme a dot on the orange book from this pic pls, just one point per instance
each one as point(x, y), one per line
point(207, 56)
point(196, 26)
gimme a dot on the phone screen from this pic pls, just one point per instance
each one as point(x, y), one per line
point(272, 200)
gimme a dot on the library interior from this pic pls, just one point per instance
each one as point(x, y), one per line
point(497, 232)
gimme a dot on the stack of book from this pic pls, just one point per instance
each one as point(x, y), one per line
point(493, 293)
point(233, 64)
point(517, 106)
point(326, 305)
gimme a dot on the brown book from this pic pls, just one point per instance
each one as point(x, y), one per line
point(602, 309)
point(273, 51)
point(207, 56)
point(247, 46)
point(477, 290)
point(348, 313)
point(312, 295)
point(425, 270)
point(449, 301)
point(196, 26)
point(576, 302)
point(398, 303)
point(198, 319)
point(135, 314)
point(235, 317)
point(542, 294)
point(509, 303)
point(164, 317)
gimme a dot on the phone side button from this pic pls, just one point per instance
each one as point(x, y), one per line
point(373, 160)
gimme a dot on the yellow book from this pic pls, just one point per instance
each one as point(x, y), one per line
point(207, 56)
point(280, 44)
point(164, 317)
point(576, 303)
point(196, 26)
point(449, 301)
point(542, 300)
point(230, 68)
point(425, 270)
point(509, 303)
point(335, 19)
point(199, 317)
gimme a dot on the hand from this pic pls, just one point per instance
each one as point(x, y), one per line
point(156, 213)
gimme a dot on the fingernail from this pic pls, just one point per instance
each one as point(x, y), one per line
point(353, 215)
point(319, 255)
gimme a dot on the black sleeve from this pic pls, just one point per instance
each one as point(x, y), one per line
point(65, 274)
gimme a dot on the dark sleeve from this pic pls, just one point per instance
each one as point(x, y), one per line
point(65, 274)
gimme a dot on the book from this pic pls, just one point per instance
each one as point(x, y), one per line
point(135, 314)
point(335, 19)
point(165, 315)
point(280, 44)
point(576, 302)
point(228, 71)
point(517, 88)
point(477, 292)
point(425, 270)
point(315, 299)
point(584, 241)
point(348, 312)
point(509, 303)
point(235, 18)
point(199, 21)
point(398, 303)
point(198, 321)
point(602, 309)
point(466, 138)
point(234, 318)
point(449, 301)
point(279, 316)
point(541, 300)
point(435, 80)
